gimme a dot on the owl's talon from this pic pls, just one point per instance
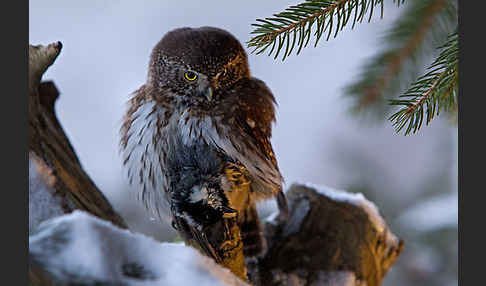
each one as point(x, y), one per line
point(228, 212)
point(227, 245)
point(227, 231)
point(229, 215)
point(229, 242)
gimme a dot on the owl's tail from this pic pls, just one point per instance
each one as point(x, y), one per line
point(254, 243)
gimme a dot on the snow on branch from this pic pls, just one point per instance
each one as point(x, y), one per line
point(82, 249)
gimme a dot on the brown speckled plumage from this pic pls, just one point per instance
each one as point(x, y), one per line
point(200, 150)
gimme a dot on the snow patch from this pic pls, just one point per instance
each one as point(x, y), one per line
point(82, 248)
point(43, 204)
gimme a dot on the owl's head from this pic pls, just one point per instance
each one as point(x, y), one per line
point(197, 64)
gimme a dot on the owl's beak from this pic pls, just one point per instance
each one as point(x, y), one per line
point(209, 93)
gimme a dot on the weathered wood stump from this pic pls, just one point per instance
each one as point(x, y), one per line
point(331, 238)
point(50, 149)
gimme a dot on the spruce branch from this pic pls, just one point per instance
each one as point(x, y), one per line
point(423, 26)
point(410, 42)
point(295, 25)
point(435, 91)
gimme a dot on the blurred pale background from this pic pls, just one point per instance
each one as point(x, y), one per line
point(413, 179)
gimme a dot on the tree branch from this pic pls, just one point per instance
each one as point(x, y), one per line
point(395, 60)
point(49, 146)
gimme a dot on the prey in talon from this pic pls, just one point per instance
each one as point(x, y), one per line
point(196, 141)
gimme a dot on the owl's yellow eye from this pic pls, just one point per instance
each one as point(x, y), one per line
point(190, 76)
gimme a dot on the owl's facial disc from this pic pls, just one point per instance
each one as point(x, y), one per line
point(197, 64)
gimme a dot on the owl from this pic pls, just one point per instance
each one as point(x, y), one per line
point(196, 139)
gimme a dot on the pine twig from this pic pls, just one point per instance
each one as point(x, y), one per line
point(394, 59)
point(431, 93)
point(295, 25)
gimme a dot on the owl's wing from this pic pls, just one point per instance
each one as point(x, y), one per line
point(244, 135)
point(254, 119)
point(251, 123)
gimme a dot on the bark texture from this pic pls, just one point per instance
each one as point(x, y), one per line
point(49, 144)
point(325, 242)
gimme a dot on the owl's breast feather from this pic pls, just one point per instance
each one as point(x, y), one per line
point(234, 144)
